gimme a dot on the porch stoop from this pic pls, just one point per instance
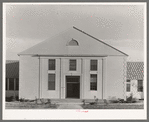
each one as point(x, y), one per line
point(76, 101)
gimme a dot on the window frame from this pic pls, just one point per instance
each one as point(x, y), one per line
point(52, 82)
point(128, 90)
point(138, 87)
point(73, 43)
point(91, 87)
point(70, 66)
point(16, 88)
point(128, 82)
point(51, 64)
point(10, 84)
point(92, 65)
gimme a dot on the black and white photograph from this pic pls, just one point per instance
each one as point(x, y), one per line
point(74, 61)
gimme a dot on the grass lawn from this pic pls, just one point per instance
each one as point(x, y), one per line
point(29, 105)
point(116, 106)
point(33, 105)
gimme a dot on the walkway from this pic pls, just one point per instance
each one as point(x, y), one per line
point(69, 106)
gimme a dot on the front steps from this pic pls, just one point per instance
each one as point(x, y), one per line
point(76, 101)
point(67, 101)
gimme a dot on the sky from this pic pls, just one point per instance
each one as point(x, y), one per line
point(121, 26)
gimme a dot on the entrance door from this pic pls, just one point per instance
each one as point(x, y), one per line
point(72, 87)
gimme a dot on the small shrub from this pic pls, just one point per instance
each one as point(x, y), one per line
point(83, 102)
point(38, 101)
point(125, 101)
point(17, 98)
point(92, 103)
point(131, 99)
point(96, 100)
point(21, 99)
point(49, 101)
point(42, 100)
point(134, 100)
point(9, 99)
point(121, 100)
point(114, 101)
point(141, 99)
point(46, 101)
point(31, 100)
point(105, 101)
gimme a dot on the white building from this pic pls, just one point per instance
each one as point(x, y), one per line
point(72, 64)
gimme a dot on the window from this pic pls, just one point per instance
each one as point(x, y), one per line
point(72, 65)
point(140, 86)
point(93, 65)
point(73, 43)
point(11, 83)
point(17, 83)
point(128, 86)
point(51, 82)
point(6, 83)
point(51, 64)
point(93, 82)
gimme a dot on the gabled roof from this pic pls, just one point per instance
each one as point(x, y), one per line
point(135, 70)
point(88, 45)
point(12, 69)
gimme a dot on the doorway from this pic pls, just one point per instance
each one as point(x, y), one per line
point(72, 86)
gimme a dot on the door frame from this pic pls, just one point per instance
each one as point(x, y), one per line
point(78, 76)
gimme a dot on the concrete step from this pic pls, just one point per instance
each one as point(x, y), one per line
point(75, 101)
point(66, 100)
point(68, 103)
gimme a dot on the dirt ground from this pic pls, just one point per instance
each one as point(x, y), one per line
point(33, 105)
point(29, 105)
point(113, 106)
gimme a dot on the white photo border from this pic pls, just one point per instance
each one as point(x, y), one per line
point(56, 114)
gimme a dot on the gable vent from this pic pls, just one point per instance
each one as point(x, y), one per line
point(73, 42)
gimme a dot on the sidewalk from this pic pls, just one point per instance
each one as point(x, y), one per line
point(69, 106)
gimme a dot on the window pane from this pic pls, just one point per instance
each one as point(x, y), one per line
point(128, 80)
point(72, 65)
point(140, 86)
point(51, 64)
point(93, 86)
point(17, 84)
point(51, 86)
point(51, 82)
point(73, 43)
point(11, 83)
point(6, 84)
point(128, 87)
point(93, 82)
point(93, 65)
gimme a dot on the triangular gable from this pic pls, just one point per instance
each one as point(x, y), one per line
point(87, 45)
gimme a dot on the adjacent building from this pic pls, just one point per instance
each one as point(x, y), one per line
point(135, 78)
point(12, 78)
